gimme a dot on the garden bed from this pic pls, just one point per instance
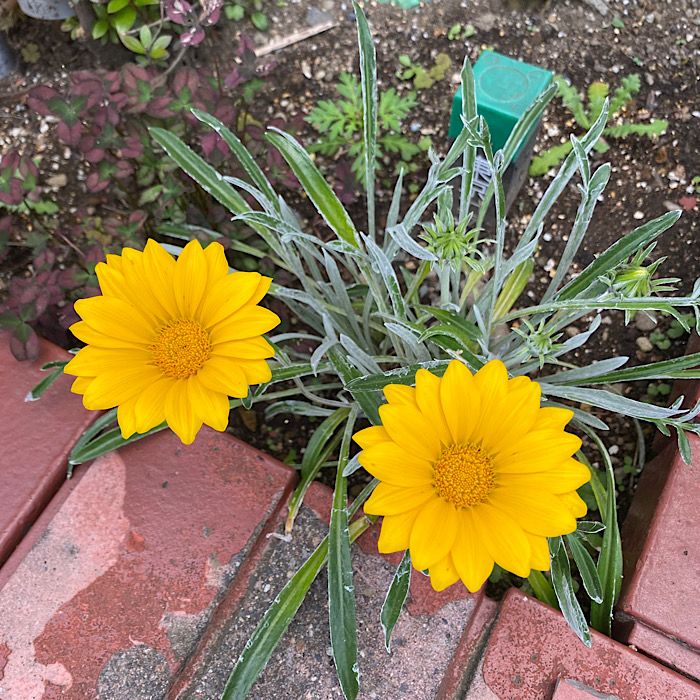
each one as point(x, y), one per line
point(647, 177)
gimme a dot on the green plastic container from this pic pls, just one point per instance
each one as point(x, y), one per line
point(505, 88)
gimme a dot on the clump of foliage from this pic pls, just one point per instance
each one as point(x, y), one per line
point(339, 124)
point(369, 322)
point(147, 28)
point(104, 117)
point(586, 114)
point(252, 9)
point(422, 77)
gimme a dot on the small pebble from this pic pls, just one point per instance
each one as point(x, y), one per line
point(644, 344)
point(644, 322)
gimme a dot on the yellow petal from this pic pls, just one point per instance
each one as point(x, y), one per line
point(400, 394)
point(249, 322)
point(371, 436)
point(211, 406)
point(251, 349)
point(513, 419)
point(540, 450)
point(127, 419)
point(150, 404)
point(411, 430)
point(388, 462)
point(261, 290)
point(130, 284)
point(224, 376)
point(116, 318)
point(460, 400)
point(538, 512)
point(443, 574)
point(433, 533)
point(471, 559)
point(92, 361)
point(109, 390)
point(568, 476)
point(159, 269)
point(387, 499)
point(190, 279)
point(228, 295)
point(395, 534)
point(539, 552)
point(427, 397)
point(255, 371)
point(492, 384)
point(574, 504)
point(552, 418)
point(217, 267)
point(82, 331)
point(179, 413)
point(80, 384)
point(503, 538)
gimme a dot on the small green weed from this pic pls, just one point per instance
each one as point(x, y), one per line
point(339, 124)
point(424, 78)
point(663, 339)
point(253, 9)
point(585, 115)
point(461, 31)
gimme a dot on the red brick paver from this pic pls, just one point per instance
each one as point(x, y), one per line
point(112, 595)
point(531, 647)
point(659, 609)
point(424, 642)
point(35, 437)
point(146, 574)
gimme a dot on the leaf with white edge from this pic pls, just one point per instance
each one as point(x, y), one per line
point(564, 590)
point(200, 171)
point(610, 557)
point(252, 169)
point(315, 186)
point(586, 567)
point(43, 385)
point(319, 448)
point(368, 80)
point(395, 598)
point(342, 615)
point(609, 401)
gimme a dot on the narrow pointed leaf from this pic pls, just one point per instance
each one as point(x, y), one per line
point(564, 589)
point(200, 171)
point(247, 162)
point(586, 567)
point(318, 190)
point(610, 557)
point(395, 598)
point(368, 80)
point(342, 615)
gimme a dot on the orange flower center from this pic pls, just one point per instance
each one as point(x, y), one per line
point(181, 349)
point(463, 475)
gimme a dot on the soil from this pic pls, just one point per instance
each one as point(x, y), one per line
point(659, 41)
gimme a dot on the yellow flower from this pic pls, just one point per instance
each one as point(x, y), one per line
point(171, 340)
point(472, 472)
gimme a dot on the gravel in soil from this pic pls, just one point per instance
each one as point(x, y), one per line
point(659, 41)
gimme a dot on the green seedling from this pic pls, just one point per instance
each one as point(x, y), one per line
point(252, 9)
point(461, 31)
point(586, 114)
point(424, 77)
point(339, 125)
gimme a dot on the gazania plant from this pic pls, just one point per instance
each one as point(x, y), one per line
point(463, 407)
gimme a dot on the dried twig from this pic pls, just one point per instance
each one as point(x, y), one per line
point(295, 38)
